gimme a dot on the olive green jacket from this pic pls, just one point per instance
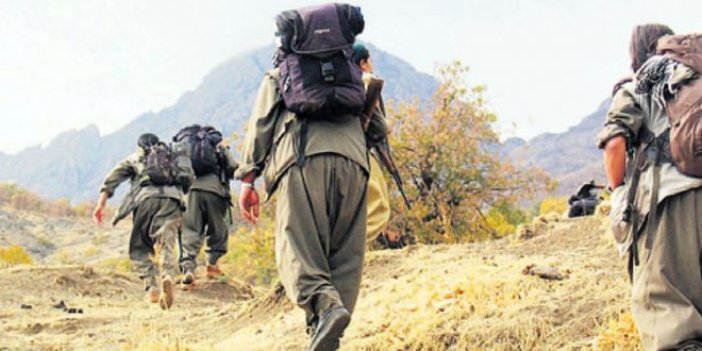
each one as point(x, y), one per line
point(627, 114)
point(131, 169)
point(218, 183)
point(273, 132)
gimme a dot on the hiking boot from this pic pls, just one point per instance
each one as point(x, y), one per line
point(330, 328)
point(152, 295)
point(188, 278)
point(213, 272)
point(166, 297)
point(690, 345)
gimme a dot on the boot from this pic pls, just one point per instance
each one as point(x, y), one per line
point(188, 278)
point(214, 272)
point(166, 298)
point(690, 345)
point(152, 294)
point(330, 328)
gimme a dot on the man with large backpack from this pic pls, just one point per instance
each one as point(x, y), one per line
point(159, 174)
point(306, 139)
point(209, 200)
point(654, 119)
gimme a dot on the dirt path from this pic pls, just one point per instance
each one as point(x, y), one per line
point(113, 314)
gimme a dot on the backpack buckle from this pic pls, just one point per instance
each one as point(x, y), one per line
point(328, 72)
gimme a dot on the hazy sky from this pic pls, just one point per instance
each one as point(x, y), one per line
point(547, 63)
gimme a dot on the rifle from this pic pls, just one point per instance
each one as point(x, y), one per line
point(382, 147)
point(383, 151)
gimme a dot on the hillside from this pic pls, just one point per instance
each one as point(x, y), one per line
point(569, 157)
point(75, 162)
point(457, 297)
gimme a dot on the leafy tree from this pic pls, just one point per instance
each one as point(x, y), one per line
point(446, 150)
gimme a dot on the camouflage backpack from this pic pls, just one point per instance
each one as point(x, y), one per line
point(203, 142)
point(159, 165)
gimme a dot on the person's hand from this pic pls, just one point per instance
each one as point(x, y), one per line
point(248, 203)
point(99, 213)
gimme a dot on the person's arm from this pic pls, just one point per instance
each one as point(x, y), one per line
point(122, 172)
point(261, 127)
point(248, 199)
point(623, 122)
point(615, 161)
point(99, 212)
point(257, 144)
point(230, 164)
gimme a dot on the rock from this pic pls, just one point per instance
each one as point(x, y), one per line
point(543, 272)
point(26, 307)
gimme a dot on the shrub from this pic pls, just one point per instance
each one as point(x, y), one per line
point(504, 218)
point(123, 265)
point(619, 335)
point(251, 252)
point(553, 205)
point(14, 255)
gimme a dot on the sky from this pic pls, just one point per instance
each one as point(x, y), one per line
point(71, 63)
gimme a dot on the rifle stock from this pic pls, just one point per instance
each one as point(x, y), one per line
point(375, 87)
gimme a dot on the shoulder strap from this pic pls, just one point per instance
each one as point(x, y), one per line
point(631, 214)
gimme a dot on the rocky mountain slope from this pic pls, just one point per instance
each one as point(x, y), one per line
point(445, 297)
point(570, 157)
point(75, 162)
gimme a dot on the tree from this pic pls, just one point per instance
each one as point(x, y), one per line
point(447, 151)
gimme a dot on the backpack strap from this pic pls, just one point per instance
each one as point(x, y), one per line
point(301, 141)
point(631, 214)
point(651, 152)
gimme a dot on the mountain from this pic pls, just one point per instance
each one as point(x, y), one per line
point(569, 157)
point(73, 164)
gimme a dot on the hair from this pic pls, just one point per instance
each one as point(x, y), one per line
point(643, 42)
point(360, 53)
point(147, 140)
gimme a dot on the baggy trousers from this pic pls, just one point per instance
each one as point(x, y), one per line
point(667, 284)
point(321, 232)
point(378, 201)
point(156, 225)
point(204, 219)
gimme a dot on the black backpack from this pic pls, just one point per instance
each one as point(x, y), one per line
point(159, 165)
point(203, 141)
point(317, 76)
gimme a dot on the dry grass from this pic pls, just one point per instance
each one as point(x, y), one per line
point(619, 335)
point(444, 297)
point(475, 297)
